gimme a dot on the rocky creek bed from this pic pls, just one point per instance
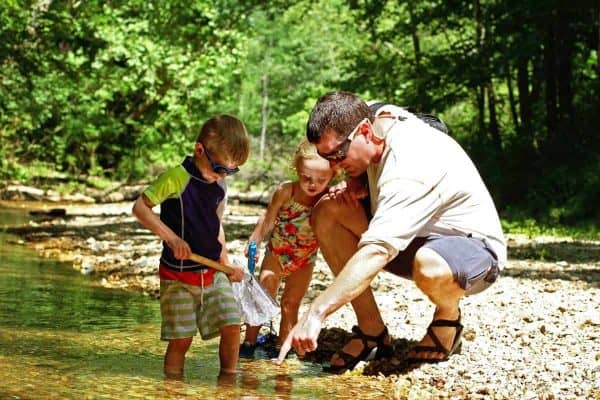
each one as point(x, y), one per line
point(535, 334)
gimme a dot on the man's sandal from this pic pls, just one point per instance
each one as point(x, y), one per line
point(377, 351)
point(439, 348)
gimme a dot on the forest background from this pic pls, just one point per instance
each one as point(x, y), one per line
point(97, 92)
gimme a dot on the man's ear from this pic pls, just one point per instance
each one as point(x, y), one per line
point(366, 129)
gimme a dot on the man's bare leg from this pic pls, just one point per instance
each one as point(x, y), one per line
point(433, 276)
point(338, 227)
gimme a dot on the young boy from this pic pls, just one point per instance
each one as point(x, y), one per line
point(192, 199)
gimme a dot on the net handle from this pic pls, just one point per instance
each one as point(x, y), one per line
point(228, 269)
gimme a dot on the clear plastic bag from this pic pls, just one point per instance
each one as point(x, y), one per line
point(257, 306)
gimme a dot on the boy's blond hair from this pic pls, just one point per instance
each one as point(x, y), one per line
point(226, 135)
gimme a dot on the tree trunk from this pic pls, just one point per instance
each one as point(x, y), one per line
point(564, 58)
point(511, 98)
point(537, 78)
point(493, 126)
point(550, 80)
point(481, 111)
point(480, 40)
point(524, 98)
point(598, 46)
point(421, 91)
point(264, 114)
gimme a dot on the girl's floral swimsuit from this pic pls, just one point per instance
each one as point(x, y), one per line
point(292, 239)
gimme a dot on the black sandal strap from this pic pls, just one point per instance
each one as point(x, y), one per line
point(438, 345)
point(446, 322)
point(349, 360)
point(359, 334)
point(427, 348)
point(347, 357)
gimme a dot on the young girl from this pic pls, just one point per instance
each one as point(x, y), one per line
point(292, 247)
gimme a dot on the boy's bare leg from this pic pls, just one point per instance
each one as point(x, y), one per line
point(229, 348)
point(175, 357)
point(295, 287)
point(270, 279)
point(226, 379)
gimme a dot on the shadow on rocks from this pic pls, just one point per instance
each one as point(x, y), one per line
point(333, 339)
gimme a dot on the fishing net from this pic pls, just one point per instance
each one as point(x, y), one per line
point(257, 306)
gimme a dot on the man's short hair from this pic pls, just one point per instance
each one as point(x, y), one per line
point(337, 111)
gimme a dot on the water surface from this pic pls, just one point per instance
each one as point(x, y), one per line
point(63, 336)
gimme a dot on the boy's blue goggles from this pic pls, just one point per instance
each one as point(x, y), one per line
point(218, 168)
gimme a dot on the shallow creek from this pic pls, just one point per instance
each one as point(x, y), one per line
point(62, 335)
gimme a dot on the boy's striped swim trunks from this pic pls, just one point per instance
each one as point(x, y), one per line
point(185, 308)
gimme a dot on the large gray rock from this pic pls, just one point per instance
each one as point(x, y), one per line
point(21, 192)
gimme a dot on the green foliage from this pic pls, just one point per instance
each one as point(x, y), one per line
point(586, 230)
point(99, 88)
point(119, 89)
point(282, 48)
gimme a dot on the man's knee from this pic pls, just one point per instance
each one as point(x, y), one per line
point(324, 216)
point(429, 268)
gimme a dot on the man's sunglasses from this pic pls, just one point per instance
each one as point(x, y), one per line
point(218, 168)
point(341, 152)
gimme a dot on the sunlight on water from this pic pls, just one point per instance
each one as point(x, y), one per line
point(64, 337)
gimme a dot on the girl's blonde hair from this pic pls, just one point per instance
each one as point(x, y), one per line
point(305, 151)
point(308, 151)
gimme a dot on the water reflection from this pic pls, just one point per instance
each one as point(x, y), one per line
point(63, 337)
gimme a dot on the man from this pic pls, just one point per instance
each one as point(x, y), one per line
point(433, 221)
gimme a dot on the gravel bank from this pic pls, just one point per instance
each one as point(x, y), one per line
point(535, 334)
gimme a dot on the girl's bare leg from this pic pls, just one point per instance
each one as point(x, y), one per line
point(295, 288)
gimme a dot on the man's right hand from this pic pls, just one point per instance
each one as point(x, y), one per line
point(303, 337)
point(349, 192)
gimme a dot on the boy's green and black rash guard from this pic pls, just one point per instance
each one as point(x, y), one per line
point(189, 207)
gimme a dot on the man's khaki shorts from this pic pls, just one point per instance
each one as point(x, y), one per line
point(473, 263)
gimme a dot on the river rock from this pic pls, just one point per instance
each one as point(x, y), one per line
point(87, 267)
point(533, 334)
point(21, 192)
